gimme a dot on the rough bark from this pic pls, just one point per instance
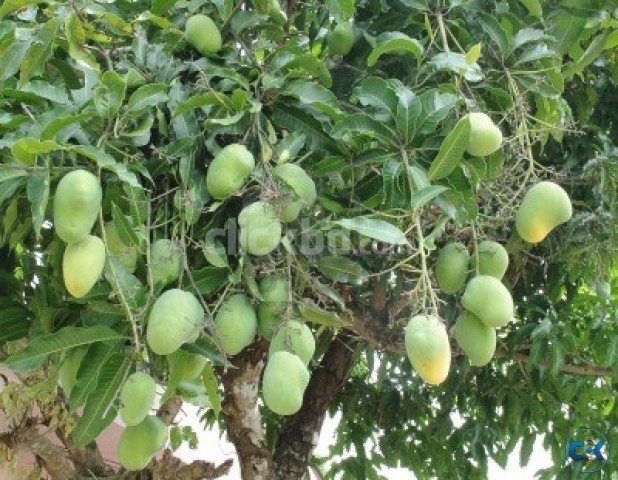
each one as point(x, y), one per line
point(243, 419)
point(300, 432)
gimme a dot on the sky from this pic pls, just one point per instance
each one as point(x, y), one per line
point(217, 450)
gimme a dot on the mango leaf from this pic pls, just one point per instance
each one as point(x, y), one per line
point(458, 64)
point(203, 100)
point(342, 269)
point(495, 31)
point(294, 119)
point(86, 379)
point(122, 280)
point(14, 323)
point(211, 382)
point(377, 229)
point(349, 129)
point(34, 61)
point(109, 95)
point(315, 95)
point(146, 97)
point(76, 38)
point(107, 162)
point(309, 65)
point(10, 6)
point(58, 124)
point(125, 231)
point(451, 150)
point(534, 7)
point(377, 93)
point(206, 347)
point(596, 47)
point(215, 253)
point(436, 106)
point(394, 42)
point(209, 279)
point(311, 313)
point(100, 410)
point(48, 91)
point(409, 109)
point(12, 54)
point(243, 20)
point(64, 339)
point(38, 194)
point(26, 150)
point(342, 10)
point(422, 197)
point(162, 7)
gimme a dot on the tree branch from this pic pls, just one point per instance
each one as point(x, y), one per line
point(300, 432)
point(243, 419)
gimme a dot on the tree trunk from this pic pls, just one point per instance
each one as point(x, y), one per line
point(243, 420)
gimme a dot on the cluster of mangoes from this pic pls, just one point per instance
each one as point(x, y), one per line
point(259, 222)
point(292, 344)
point(487, 303)
point(77, 203)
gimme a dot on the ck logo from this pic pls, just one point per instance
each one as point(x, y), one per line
point(587, 450)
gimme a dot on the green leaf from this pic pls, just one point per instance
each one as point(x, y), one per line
point(534, 7)
point(162, 7)
point(100, 410)
point(527, 445)
point(58, 124)
point(425, 195)
point(38, 194)
point(206, 347)
point(86, 379)
point(146, 97)
point(377, 93)
point(377, 229)
point(40, 51)
point(211, 382)
point(203, 100)
point(109, 95)
point(457, 63)
point(311, 313)
point(394, 42)
point(566, 29)
point(12, 56)
point(451, 151)
point(496, 32)
point(341, 269)
point(294, 119)
point(360, 124)
point(409, 108)
point(436, 106)
point(26, 150)
point(76, 38)
point(107, 162)
point(215, 253)
point(243, 20)
point(122, 280)
point(528, 35)
point(14, 323)
point(307, 65)
point(10, 6)
point(316, 96)
point(209, 279)
point(342, 10)
point(58, 342)
point(123, 228)
point(594, 50)
point(45, 90)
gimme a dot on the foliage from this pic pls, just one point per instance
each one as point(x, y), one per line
point(113, 88)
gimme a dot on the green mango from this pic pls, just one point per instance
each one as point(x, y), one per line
point(140, 443)
point(77, 203)
point(69, 368)
point(428, 348)
point(295, 337)
point(545, 206)
point(236, 323)
point(284, 382)
point(165, 261)
point(126, 254)
point(203, 34)
point(275, 294)
point(295, 178)
point(260, 229)
point(451, 267)
point(493, 259)
point(176, 317)
point(137, 397)
point(485, 136)
point(341, 40)
point(489, 300)
point(477, 340)
point(82, 265)
point(229, 171)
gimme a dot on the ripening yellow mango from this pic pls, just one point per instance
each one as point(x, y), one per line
point(428, 348)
